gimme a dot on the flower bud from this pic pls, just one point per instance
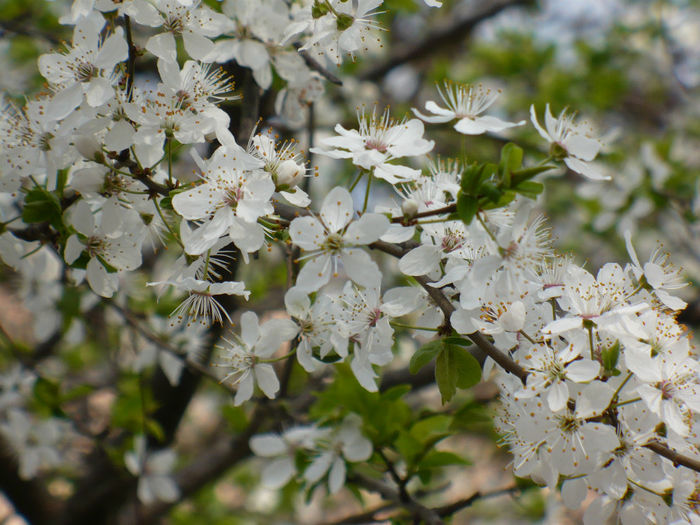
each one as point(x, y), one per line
point(289, 173)
point(409, 207)
point(89, 148)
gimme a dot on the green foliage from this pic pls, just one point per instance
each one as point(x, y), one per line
point(455, 367)
point(346, 395)
point(42, 206)
point(610, 357)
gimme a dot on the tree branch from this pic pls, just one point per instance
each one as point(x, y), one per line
point(416, 509)
point(448, 309)
point(439, 39)
point(678, 459)
point(29, 497)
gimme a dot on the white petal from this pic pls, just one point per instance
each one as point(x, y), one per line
point(319, 467)
point(101, 282)
point(582, 371)
point(315, 273)
point(361, 268)
point(479, 125)
point(562, 325)
point(245, 389)
point(297, 302)
point(461, 321)
point(400, 301)
point(195, 203)
point(197, 46)
point(164, 488)
point(113, 50)
point(81, 218)
point(582, 147)
point(535, 122)
point(267, 379)
point(421, 260)
point(573, 492)
point(358, 449)
point(336, 478)
point(367, 229)
point(364, 373)
point(250, 330)
point(337, 209)
point(557, 396)
point(73, 249)
point(163, 46)
point(277, 473)
point(599, 437)
point(267, 445)
point(585, 168)
point(120, 137)
point(307, 233)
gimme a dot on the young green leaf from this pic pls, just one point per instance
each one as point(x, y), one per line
point(424, 355)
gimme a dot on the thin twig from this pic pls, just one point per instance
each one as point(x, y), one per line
point(131, 61)
point(438, 40)
point(678, 459)
point(416, 509)
point(316, 66)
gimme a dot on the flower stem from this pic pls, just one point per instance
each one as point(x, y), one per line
point(399, 325)
point(278, 359)
point(162, 218)
point(369, 184)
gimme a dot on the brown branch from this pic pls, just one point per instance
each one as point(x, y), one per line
point(194, 366)
point(430, 213)
point(448, 309)
point(451, 508)
point(678, 459)
point(314, 64)
point(203, 469)
point(131, 62)
point(416, 509)
point(439, 39)
point(29, 497)
point(365, 517)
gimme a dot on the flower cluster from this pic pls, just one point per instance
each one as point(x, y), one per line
point(595, 373)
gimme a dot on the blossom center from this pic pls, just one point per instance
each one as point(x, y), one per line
point(451, 242)
point(95, 246)
point(334, 243)
point(376, 144)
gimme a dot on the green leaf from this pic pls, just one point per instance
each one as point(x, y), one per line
point(520, 176)
point(454, 340)
point(42, 206)
point(155, 429)
point(446, 374)
point(505, 198)
point(529, 189)
point(471, 178)
point(467, 206)
point(439, 458)
point(466, 366)
point(408, 446)
point(511, 160)
point(424, 355)
point(490, 191)
point(47, 392)
point(610, 357)
point(437, 424)
point(166, 203)
point(236, 417)
point(396, 392)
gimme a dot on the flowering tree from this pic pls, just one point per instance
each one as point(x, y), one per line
point(180, 254)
